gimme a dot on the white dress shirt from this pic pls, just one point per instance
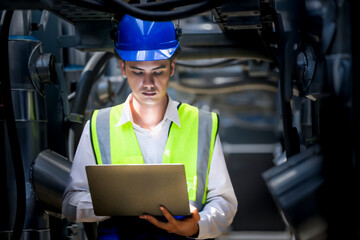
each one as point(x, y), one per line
point(221, 202)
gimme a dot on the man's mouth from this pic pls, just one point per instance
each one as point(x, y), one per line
point(149, 94)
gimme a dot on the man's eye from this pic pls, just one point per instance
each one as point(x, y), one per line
point(157, 73)
point(138, 73)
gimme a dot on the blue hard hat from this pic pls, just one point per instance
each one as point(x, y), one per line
point(139, 40)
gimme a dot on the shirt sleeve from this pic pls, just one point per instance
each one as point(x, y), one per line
point(77, 204)
point(221, 203)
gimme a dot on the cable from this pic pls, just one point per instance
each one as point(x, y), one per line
point(165, 5)
point(90, 4)
point(123, 7)
point(11, 127)
point(157, 6)
point(92, 71)
point(167, 15)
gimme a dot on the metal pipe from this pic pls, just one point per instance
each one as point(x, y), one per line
point(246, 53)
point(223, 90)
point(50, 173)
point(221, 63)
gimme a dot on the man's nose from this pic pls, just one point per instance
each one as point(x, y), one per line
point(148, 80)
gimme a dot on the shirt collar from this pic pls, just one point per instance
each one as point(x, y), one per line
point(171, 112)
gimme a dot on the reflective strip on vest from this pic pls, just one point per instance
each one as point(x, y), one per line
point(191, 144)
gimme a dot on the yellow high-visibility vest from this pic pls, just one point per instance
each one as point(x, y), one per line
point(191, 144)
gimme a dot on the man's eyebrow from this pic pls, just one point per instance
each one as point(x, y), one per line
point(160, 67)
point(136, 68)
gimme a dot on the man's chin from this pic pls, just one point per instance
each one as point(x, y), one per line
point(150, 101)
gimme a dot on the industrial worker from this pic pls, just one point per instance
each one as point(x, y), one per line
point(150, 127)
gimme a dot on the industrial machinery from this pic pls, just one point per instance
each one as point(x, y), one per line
point(282, 74)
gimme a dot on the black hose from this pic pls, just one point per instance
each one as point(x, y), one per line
point(291, 138)
point(166, 15)
point(11, 128)
point(157, 6)
point(90, 4)
point(123, 7)
point(87, 80)
point(165, 5)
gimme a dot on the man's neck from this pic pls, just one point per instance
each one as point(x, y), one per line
point(148, 116)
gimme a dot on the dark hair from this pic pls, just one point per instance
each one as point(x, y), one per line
point(176, 54)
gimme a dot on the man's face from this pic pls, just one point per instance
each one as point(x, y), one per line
point(148, 80)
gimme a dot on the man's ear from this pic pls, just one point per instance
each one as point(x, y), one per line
point(122, 66)
point(172, 67)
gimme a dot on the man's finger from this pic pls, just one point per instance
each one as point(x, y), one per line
point(195, 213)
point(154, 221)
point(168, 215)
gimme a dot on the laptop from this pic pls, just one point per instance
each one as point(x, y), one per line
point(132, 190)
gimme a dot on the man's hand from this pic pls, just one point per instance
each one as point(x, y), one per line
point(184, 227)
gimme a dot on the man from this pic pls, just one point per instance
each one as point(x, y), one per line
point(150, 127)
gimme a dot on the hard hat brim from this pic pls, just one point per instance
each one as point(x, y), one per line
point(147, 55)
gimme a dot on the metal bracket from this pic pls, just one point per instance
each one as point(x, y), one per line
point(75, 118)
point(68, 117)
point(43, 20)
point(63, 89)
